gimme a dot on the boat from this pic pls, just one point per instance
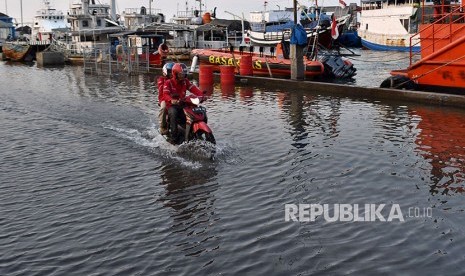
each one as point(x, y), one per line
point(271, 27)
point(388, 25)
point(46, 21)
point(16, 51)
point(192, 29)
point(135, 19)
point(348, 36)
point(137, 46)
point(440, 65)
point(278, 65)
point(91, 24)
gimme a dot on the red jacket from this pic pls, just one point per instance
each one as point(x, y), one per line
point(160, 83)
point(177, 90)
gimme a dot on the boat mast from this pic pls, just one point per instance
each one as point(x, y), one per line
point(47, 4)
point(113, 10)
point(6, 7)
point(21, 4)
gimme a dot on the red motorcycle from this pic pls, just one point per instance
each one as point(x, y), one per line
point(196, 117)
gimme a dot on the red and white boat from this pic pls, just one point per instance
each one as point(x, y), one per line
point(278, 65)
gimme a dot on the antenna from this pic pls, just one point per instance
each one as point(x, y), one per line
point(21, 3)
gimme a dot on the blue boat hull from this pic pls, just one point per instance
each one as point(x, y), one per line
point(379, 47)
point(350, 39)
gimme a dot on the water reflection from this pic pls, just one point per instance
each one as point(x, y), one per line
point(190, 194)
point(246, 93)
point(208, 89)
point(228, 91)
point(306, 112)
point(442, 143)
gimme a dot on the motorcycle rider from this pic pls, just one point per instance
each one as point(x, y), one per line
point(174, 91)
point(161, 101)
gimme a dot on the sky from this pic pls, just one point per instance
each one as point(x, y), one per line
point(168, 7)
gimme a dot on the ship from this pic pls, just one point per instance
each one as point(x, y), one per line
point(388, 25)
point(440, 64)
point(46, 22)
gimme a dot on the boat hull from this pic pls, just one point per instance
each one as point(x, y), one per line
point(398, 47)
point(278, 67)
point(15, 52)
point(388, 27)
point(350, 39)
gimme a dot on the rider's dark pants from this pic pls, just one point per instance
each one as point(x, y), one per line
point(176, 115)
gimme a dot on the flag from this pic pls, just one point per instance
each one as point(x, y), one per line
point(334, 30)
point(342, 3)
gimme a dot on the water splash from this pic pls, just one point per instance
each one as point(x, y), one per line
point(152, 141)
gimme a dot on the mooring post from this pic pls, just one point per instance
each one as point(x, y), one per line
point(296, 55)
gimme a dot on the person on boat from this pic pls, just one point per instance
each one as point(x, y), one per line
point(163, 50)
point(167, 68)
point(174, 92)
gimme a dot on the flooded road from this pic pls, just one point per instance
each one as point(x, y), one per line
point(88, 186)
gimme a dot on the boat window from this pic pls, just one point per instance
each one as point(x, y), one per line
point(366, 27)
point(405, 23)
point(85, 23)
point(99, 22)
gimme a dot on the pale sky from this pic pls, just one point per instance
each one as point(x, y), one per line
point(168, 7)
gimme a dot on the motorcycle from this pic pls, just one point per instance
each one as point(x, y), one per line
point(196, 117)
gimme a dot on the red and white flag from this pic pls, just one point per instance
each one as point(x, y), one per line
point(342, 3)
point(334, 30)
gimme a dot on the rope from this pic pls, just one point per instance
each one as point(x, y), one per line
point(392, 60)
point(430, 71)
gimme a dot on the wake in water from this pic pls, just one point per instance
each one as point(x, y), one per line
point(192, 154)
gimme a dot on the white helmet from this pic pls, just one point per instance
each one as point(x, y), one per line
point(167, 69)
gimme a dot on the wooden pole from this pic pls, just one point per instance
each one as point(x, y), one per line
point(296, 55)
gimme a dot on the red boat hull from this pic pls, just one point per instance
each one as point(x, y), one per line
point(279, 67)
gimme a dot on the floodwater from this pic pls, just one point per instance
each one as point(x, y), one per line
point(89, 187)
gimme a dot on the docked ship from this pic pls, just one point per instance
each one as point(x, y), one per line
point(91, 23)
point(278, 64)
point(389, 25)
point(46, 22)
point(269, 28)
point(440, 64)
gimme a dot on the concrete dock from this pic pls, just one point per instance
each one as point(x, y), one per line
point(343, 90)
point(50, 58)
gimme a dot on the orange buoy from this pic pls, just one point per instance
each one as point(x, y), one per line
point(246, 68)
point(206, 75)
point(227, 74)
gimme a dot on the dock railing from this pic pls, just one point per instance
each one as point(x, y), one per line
point(444, 21)
point(119, 59)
